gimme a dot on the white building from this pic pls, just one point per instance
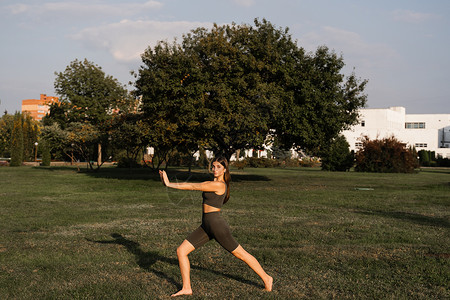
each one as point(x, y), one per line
point(423, 131)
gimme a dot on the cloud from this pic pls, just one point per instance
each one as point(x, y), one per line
point(411, 16)
point(245, 3)
point(80, 8)
point(350, 44)
point(127, 40)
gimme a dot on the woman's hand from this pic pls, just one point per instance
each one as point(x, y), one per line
point(164, 177)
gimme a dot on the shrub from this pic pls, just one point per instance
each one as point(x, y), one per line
point(240, 164)
point(291, 162)
point(126, 162)
point(338, 156)
point(255, 162)
point(309, 162)
point(443, 162)
point(386, 155)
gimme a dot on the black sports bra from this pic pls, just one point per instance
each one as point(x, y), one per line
point(214, 200)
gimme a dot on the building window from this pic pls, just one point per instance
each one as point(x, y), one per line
point(358, 145)
point(41, 112)
point(421, 145)
point(363, 123)
point(415, 125)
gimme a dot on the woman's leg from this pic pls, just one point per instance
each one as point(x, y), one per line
point(182, 252)
point(251, 261)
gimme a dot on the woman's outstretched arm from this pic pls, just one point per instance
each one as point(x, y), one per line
point(206, 186)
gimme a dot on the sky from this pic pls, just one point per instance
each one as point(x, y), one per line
point(400, 46)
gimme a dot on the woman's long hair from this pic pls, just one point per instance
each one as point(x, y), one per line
point(227, 176)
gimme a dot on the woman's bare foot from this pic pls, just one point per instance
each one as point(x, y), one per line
point(182, 292)
point(268, 284)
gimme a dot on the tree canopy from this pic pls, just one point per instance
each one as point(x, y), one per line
point(87, 94)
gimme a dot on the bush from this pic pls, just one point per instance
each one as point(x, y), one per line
point(387, 155)
point(338, 156)
point(240, 164)
point(291, 162)
point(126, 162)
point(443, 162)
point(255, 162)
point(309, 162)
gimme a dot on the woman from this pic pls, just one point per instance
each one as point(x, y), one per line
point(215, 194)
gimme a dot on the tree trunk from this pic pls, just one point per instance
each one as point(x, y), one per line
point(99, 157)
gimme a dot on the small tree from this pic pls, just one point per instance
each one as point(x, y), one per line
point(17, 142)
point(30, 131)
point(46, 156)
point(6, 127)
point(129, 133)
point(338, 156)
point(387, 155)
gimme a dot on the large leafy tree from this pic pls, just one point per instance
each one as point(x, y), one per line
point(206, 92)
point(88, 95)
point(229, 87)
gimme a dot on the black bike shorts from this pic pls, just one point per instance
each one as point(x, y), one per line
point(213, 227)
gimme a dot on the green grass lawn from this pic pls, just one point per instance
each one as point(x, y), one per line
point(113, 235)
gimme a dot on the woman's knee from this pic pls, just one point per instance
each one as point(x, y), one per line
point(180, 251)
point(185, 248)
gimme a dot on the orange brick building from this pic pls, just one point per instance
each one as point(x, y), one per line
point(38, 108)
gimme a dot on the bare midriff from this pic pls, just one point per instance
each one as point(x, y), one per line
point(209, 209)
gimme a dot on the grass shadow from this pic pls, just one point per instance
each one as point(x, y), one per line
point(58, 168)
point(410, 217)
point(146, 260)
point(435, 170)
point(248, 177)
point(197, 175)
